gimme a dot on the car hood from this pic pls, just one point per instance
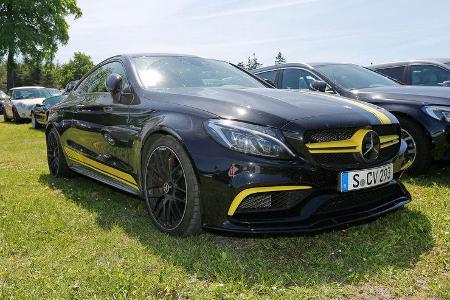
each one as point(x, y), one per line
point(28, 102)
point(422, 94)
point(273, 107)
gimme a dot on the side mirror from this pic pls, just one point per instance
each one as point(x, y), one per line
point(319, 86)
point(114, 83)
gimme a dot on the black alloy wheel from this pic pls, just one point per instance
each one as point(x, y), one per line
point(171, 188)
point(57, 164)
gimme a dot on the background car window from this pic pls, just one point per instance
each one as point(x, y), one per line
point(428, 75)
point(297, 79)
point(95, 82)
point(269, 75)
point(22, 94)
point(395, 73)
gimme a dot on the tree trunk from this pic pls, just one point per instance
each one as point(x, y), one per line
point(10, 70)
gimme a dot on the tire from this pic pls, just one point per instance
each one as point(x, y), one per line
point(57, 163)
point(5, 117)
point(417, 141)
point(170, 187)
point(17, 119)
point(34, 123)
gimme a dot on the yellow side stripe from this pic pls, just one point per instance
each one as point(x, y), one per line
point(376, 112)
point(101, 168)
point(242, 195)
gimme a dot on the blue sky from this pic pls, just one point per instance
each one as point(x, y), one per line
point(359, 31)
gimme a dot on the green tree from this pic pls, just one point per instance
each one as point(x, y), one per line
point(253, 63)
point(241, 64)
point(279, 59)
point(79, 65)
point(32, 28)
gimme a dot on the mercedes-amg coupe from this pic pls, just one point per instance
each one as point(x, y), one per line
point(210, 146)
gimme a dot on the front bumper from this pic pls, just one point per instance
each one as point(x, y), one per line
point(317, 207)
point(321, 211)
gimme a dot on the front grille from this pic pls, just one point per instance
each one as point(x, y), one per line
point(343, 161)
point(272, 201)
point(357, 199)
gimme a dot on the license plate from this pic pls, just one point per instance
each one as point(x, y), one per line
point(361, 179)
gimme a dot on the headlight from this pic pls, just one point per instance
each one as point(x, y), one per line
point(438, 112)
point(250, 139)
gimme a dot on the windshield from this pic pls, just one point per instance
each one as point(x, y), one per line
point(181, 71)
point(351, 77)
point(21, 94)
point(54, 92)
point(52, 101)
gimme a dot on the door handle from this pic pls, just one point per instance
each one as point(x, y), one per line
point(107, 109)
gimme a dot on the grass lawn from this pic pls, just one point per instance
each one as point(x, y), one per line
point(78, 238)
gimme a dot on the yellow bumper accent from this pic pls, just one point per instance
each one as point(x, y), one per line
point(242, 195)
point(389, 140)
point(101, 168)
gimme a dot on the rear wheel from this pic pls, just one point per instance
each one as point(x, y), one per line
point(419, 146)
point(57, 164)
point(171, 188)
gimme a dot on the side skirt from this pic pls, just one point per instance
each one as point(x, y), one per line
point(105, 179)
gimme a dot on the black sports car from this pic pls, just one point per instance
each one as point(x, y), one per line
point(39, 113)
point(423, 112)
point(210, 146)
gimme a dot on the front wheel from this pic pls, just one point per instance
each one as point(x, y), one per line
point(171, 187)
point(419, 146)
point(34, 123)
point(17, 118)
point(5, 117)
point(57, 164)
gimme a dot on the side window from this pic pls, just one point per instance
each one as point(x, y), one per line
point(269, 75)
point(95, 83)
point(428, 75)
point(297, 79)
point(396, 73)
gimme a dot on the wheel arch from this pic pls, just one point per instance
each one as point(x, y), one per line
point(413, 120)
point(152, 135)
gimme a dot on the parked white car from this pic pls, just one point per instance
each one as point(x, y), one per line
point(22, 101)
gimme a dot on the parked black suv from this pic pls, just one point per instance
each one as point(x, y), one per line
point(431, 72)
point(423, 112)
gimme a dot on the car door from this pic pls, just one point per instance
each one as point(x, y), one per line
point(100, 137)
point(397, 73)
point(298, 78)
point(428, 75)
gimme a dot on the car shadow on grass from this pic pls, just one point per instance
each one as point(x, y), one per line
point(390, 243)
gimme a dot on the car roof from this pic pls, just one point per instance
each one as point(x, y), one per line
point(134, 55)
point(309, 65)
point(437, 61)
point(28, 87)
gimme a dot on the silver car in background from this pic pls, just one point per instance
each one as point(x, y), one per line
point(3, 97)
point(22, 101)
